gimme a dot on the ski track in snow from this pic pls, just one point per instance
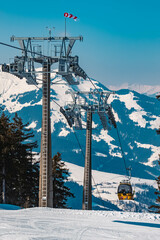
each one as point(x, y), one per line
point(50, 224)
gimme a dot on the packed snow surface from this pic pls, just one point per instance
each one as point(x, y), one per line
point(49, 224)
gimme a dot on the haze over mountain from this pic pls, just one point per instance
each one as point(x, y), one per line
point(149, 90)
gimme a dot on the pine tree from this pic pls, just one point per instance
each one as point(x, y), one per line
point(27, 172)
point(5, 153)
point(21, 175)
point(60, 176)
point(157, 206)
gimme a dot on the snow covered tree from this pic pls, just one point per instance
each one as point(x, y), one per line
point(60, 176)
point(19, 177)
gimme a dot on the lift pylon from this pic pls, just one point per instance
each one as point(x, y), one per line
point(23, 67)
point(87, 185)
point(91, 102)
point(45, 178)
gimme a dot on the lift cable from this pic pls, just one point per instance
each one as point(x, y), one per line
point(118, 139)
point(81, 151)
point(122, 152)
point(18, 48)
point(76, 139)
point(8, 45)
point(93, 83)
point(52, 99)
point(11, 46)
point(78, 142)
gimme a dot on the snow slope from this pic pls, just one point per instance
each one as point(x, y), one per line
point(50, 224)
point(137, 116)
point(133, 112)
point(104, 190)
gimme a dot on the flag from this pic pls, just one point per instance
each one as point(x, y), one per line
point(68, 15)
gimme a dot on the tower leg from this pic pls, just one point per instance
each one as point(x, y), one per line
point(87, 185)
point(45, 178)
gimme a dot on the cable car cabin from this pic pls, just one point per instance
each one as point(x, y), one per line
point(125, 191)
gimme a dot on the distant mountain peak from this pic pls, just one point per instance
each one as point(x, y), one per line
point(149, 90)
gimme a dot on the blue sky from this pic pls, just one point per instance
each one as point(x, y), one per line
point(121, 37)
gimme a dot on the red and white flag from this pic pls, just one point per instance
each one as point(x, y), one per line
point(68, 15)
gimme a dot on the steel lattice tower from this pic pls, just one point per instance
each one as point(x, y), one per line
point(45, 178)
point(91, 102)
point(67, 65)
point(87, 185)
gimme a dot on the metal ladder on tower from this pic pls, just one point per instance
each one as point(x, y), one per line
point(45, 183)
point(45, 138)
point(87, 194)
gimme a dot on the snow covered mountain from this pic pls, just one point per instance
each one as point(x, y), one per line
point(148, 90)
point(137, 119)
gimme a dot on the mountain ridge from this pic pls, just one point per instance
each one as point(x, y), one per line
point(149, 90)
point(132, 111)
point(137, 118)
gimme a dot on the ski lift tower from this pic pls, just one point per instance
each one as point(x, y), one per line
point(91, 102)
point(24, 66)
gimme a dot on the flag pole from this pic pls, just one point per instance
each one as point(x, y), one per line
point(65, 26)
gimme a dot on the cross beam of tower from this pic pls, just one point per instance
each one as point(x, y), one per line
point(67, 65)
